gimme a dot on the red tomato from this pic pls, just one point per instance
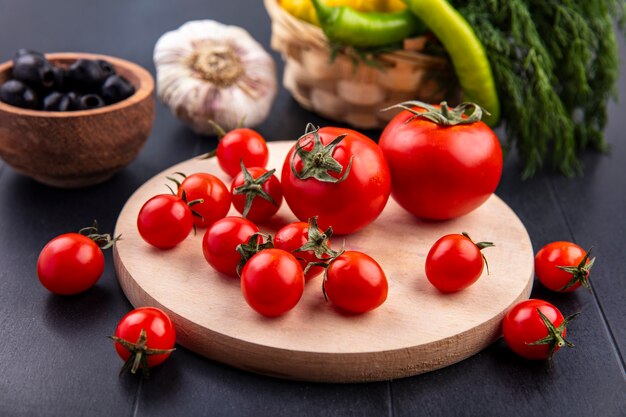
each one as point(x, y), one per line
point(272, 282)
point(349, 204)
point(220, 242)
point(241, 144)
point(214, 193)
point(355, 282)
point(69, 264)
point(528, 335)
point(153, 347)
point(454, 262)
point(262, 189)
point(563, 266)
point(294, 236)
point(164, 221)
point(440, 172)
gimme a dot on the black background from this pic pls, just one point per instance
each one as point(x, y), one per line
point(55, 359)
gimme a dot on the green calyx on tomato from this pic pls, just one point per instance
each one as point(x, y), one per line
point(481, 246)
point(183, 195)
point(103, 240)
point(139, 352)
point(319, 161)
point(253, 246)
point(253, 188)
point(555, 338)
point(443, 115)
point(318, 244)
point(580, 272)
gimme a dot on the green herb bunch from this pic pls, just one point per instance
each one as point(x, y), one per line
point(555, 63)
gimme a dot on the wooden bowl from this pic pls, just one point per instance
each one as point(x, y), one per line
point(78, 148)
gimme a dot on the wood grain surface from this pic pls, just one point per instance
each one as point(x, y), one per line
point(417, 330)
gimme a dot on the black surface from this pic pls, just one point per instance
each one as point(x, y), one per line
point(56, 361)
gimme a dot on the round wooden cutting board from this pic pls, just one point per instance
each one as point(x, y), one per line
point(416, 330)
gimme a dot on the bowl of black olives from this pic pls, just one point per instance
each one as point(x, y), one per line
point(73, 119)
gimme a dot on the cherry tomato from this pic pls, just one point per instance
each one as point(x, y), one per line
point(272, 282)
point(563, 266)
point(256, 193)
point(532, 336)
point(355, 282)
point(70, 264)
point(440, 172)
point(345, 182)
point(454, 262)
point(153, 346)
point(207, 187)
point(296, 235)
point(220, 242)
point(164, 221)
point(241, 144)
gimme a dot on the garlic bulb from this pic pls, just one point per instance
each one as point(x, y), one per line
point(210, 71)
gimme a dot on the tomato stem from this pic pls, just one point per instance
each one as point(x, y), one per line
point(555, 338)
point(103, 240)
point(219, 130)
point(318, 163)
point(580, 272)
point(481, 246)
point(252, 247)
point(443, 115)
point(253, 188)
point(139, 352)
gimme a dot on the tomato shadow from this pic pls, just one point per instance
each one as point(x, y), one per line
point(71, 315)
point(504, 358)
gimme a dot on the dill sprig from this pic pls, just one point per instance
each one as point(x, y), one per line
point(555, 64)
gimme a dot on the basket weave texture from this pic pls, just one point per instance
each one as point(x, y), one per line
point(350, 92)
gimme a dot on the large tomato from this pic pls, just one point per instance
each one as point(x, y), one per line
point(441, 171)
point(343, 179)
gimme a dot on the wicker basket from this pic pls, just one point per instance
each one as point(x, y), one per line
point(343, 91)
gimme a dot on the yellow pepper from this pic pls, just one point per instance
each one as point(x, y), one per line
point(304, 10)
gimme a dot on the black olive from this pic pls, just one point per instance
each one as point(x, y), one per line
point(52, 101)
point(35, 70)
point(18, 94)
point(60, 79)
point(116, 88)
point(87, 75)
point(69, 102)
point(106, 67)
point(90, 101)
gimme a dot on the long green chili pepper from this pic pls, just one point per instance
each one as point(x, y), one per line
point(347, 26)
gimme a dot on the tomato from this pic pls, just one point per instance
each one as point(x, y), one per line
point(272, 282)
point(345, 182)
point(563, 266)
point(440, 172)
point(455, 262)
point(70, 264)
point(220, 242)
point(298, 235)
point(532, 336)
point(164, 221)
point(213, 192)
point(241, 144)
point(355, 282)
point(147, 334)
point(256, 193)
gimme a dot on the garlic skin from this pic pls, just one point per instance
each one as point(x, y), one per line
point(210, 71)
